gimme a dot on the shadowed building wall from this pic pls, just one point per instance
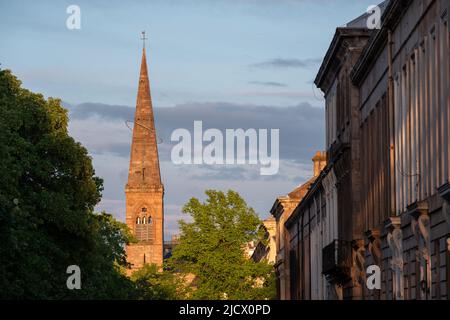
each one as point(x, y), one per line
point(387, 181)
point(403, 78)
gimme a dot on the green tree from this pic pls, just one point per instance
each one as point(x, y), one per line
point(48, 190)
point(154, 284)
point(212, 249)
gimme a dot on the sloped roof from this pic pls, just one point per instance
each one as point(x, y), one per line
point(301, 190)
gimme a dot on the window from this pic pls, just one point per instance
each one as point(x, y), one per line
point(144, 229)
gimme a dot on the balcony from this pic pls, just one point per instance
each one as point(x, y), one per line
point(337, 261)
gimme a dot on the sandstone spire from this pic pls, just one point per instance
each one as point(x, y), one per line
point(144, 163)
point(144, 191)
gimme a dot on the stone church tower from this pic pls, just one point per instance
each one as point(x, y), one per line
point(144, 191)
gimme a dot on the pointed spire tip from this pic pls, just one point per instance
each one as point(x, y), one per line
point(143, 38)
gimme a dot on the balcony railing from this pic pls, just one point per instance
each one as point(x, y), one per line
point(337, 260)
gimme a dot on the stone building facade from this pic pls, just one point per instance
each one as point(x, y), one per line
point(144, 190)
point(383, 198)
point(403, 76)
point(281, 211)
point(342, 178)
point(266, 251)
point(304, 228)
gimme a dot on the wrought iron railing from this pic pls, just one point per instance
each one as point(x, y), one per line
point(337, 260)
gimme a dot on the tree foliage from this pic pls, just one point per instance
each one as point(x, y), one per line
point(48, 190)
point(154, 284)
point(212, 249)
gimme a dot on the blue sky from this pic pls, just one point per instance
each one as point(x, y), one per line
point(230, 63)
point(200, 51)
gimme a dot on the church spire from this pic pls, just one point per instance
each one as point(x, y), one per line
point(144, 163)
point(144, 192)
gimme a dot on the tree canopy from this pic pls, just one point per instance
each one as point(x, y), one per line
point(48, 190)
point(212, 246)
point(155, 284)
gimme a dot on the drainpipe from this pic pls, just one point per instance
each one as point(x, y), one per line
point(391, 108)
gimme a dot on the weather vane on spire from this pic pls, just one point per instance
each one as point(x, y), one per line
point(143, 37)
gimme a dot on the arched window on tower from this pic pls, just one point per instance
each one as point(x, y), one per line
point(144, 227)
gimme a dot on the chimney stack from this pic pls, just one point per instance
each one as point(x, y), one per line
point(320, 161)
